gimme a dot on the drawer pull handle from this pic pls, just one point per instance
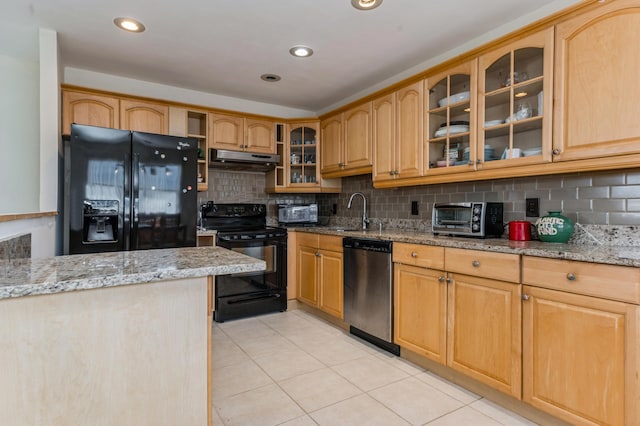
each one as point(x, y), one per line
point(475, 263)
point(414, 254)
point(441, 279)
point(571, 276)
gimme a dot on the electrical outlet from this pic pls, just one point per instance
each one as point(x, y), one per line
point(334, 208)
point(414, 208)
point(533, 207)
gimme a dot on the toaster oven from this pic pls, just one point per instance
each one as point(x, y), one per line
point(473, 219)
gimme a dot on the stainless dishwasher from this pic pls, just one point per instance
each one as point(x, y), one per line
point(368, 291)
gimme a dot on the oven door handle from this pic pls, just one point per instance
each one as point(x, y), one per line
point(253, 298)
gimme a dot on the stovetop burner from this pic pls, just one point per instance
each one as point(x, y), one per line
point(239, 221)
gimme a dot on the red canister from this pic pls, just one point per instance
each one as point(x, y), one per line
point(519, 230)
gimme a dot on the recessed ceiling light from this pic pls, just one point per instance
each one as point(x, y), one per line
point(366, 4)
point(301, 51)
point(129, 24)
point(271, 78)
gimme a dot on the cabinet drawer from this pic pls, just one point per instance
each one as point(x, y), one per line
point(307, 239)
point(484, 264)
point(592, 279)
point(330, 242)
point(419, 255)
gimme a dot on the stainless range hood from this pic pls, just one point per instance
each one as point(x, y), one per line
point(242, 161)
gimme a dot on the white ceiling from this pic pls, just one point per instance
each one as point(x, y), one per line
point(223, 46)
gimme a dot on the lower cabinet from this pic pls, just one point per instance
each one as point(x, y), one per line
point(580, 353)
point(469, 323)
point(320, 272)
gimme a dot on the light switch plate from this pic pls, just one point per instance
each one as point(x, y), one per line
point(533, 207)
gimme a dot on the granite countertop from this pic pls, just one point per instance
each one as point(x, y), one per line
point(26, 277)
point(612, 255)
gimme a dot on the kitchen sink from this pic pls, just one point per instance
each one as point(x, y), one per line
point(341, 229)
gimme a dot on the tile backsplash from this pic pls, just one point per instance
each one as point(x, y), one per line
point(606, 205)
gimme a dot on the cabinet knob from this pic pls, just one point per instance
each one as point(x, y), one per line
point(317, 254)
point(470, 163)
point(555, 151)
point(392, 172)
point(441, 279)
point(414, 254)
point(475, 263)
point(571, 276)
point(525, 297)
point(449, 280)
point(341, 165)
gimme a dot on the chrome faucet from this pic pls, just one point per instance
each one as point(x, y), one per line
point(365, 219)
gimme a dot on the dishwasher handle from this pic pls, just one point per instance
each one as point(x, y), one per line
point(381, 246)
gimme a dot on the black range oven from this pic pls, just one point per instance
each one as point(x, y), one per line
point(242, 228)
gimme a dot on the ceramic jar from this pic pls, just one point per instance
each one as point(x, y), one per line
point(554, 228)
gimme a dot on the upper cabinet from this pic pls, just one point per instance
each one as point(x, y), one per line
point(398, 134)
point(450, 124)
point(193, 124)
point(260, 135)
point(89, 109)
point(514, 103)
point(347, 142)
point(142, 116)
point(237, 133)
point(226, 131)
point(597, 84)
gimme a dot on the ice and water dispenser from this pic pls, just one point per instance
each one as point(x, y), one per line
point(100, 221)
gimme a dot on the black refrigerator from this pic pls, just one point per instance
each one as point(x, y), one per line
point(128, 190)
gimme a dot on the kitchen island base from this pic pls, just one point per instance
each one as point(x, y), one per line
point(134, 354)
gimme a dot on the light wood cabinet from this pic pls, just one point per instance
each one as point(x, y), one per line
point(485, 333)
point(597, 86)
point(420, 311)
point(141, 116)
point(580, 352)
point(450, 120)
point(406, 148)
point(320, 272)
point(193, 124)
point(238, 133)
point(347, 143)
point(89, 109)
point(470, 323)
point(226, 131)
point(581, 357)
point(515, 86)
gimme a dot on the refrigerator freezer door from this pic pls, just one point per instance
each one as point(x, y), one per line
point(96, 190)
point(164, 176)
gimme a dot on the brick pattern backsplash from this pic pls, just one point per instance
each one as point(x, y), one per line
point(247, 187)
point(602, 198)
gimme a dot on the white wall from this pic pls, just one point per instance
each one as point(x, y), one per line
point(29, 139)
point(19, 135)
point(96, 80)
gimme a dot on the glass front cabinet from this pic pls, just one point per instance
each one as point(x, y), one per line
point(450, 120)
point(514, 103)
point(302, 155)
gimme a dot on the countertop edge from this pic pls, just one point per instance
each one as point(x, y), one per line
point(621, 256)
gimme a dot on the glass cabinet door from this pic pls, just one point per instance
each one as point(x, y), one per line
point(303, 168)
point(515, 93)
point(450, 120)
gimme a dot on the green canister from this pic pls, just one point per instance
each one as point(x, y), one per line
point(554, 228)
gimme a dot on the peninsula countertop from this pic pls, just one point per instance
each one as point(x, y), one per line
point(612, 255)
point(27, 277)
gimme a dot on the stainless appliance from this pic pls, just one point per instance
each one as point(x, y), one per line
point(242, 228)
point(475, 219)
point(242, 160)
point(298, 214)
point(128, 190)
point(368, 291)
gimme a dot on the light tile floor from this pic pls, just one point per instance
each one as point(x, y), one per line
point(293, 368)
